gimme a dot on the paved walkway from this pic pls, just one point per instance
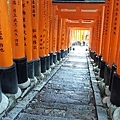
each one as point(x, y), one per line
point(67, 96)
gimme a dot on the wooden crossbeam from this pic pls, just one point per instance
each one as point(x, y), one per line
point(81, 5)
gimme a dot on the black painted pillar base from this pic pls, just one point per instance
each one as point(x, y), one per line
point(58, 56)
point(9, 80)
point(114, 67)
point(22, 71)
point(62, 53)
point(37, 65)
point(69, 50)
point(0, 92)
point(66, 52)
point(115, 91)
point(51, 58)
point(96, 59)
point(43, 64)
point(92, 54)
point(54, 58)
point(31, 69)
point(99, 61)
point(48, 62)
point(107, 74)
point(102, 68)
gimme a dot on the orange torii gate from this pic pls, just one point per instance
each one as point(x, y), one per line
point(81, 12)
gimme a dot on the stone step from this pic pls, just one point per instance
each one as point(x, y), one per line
point(25, 116)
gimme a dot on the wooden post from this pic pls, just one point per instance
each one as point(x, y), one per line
point(27, 24)
point(94, 38)
point(59, 38)
point(63, 38)
point(35, 38)
point(117, 58)
point(102, 17)
point(51, 34)
point(66, 37)
point(103, 44)
point(107, 34)
point(114, 54)
point(55, 28)
point(17, 36)
point(47, 35)
point(114, 33)
point(42, 35)
point(69, 39)
point(8, 75)
point(99, 34)
point(108, 24)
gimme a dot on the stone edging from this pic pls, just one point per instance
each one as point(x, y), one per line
point(100, 110)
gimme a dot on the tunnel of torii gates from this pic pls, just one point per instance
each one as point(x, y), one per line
point(35, 34)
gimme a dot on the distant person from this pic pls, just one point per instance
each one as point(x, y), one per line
point(83, 43)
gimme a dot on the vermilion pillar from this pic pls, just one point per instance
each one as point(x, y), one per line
point(69, 39)
point(102, 17)
point(59, 38)
point(8, 75)
point(55, 28)
point(27, 24)
point(108, 24)
point(96, 37)
point(35, 37)
point(17, 36)
point(63, 38)
point(102, 63)
point(94, 43)
point(47, 33)
point(47, 27)
point(98, 40)
point(114, 33)
point(99, 34)
point(114, 54)
point(42, 35)
point(117, 58)
point(50, 33)
point(66, 38)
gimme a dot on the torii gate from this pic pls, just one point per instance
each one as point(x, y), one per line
point(81, 15)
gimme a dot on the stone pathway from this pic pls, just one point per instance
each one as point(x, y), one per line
point(67, 96)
